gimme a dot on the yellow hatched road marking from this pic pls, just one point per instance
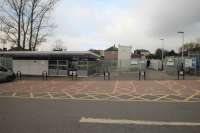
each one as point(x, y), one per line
point(159, 98)
point(66, 93)
point(190, 97)
point(116, 97)
point(115, 87)
point(49, 94)
point(31, 95)
point(112, 96)
point(133, 86)
point(14, 94)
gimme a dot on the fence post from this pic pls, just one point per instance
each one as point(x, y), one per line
point(73, 74)
point(106, 74)
point(142, 74)
point(181, 73)
point(19, 75)
point(44, 75)
point(139, 74)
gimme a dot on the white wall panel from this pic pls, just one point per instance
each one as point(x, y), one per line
point(30, 67)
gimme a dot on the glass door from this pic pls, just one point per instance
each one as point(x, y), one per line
point(58, 67)
point(53, 68)
point(62, 67)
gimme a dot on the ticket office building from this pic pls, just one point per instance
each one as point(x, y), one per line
point(54, 63)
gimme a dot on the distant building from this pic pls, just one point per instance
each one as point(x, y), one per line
point(124, 57)
point(142, 52)
point(111, 53)
point(98, 52)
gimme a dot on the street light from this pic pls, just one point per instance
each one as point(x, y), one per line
point(182, 50)
point(163, 41)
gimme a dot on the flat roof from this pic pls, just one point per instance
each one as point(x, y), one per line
point(47, 54)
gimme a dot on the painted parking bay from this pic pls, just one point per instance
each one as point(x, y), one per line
point(131, 91)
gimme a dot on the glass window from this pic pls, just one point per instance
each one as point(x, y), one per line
point(52, 67)
point(52, 62)
point(82, 68)
point(62, 62)
point(62, 68)
point(82, 62)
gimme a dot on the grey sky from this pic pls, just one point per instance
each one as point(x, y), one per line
point(141, 23)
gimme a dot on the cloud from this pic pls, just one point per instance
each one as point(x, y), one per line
point(140, 23)
point(166, 16)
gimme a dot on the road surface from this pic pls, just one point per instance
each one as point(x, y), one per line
point(22, 115)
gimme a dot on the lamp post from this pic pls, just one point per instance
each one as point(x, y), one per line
point(182, 50)
point(163, 40)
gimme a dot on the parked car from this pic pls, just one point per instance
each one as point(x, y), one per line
point(6, 74)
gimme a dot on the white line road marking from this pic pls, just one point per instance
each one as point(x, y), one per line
point(136, 122)
point(66, 93)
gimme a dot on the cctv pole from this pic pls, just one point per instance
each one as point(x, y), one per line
point(163, 40)
point(182, 50)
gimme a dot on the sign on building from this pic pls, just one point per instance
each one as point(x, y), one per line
point(188, 63)
point(170, 62)
point(191, 63)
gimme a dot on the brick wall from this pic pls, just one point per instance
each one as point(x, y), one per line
point(111, 55)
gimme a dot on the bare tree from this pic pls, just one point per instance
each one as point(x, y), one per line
point(26, 21)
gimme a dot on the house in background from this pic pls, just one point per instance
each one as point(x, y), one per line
point(98, 52)
point(142, 52)
point(111, 53)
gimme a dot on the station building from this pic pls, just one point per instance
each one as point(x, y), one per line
point(55, 63)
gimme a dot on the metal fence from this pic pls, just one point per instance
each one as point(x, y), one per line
point(120, 66)
point(132, 69)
